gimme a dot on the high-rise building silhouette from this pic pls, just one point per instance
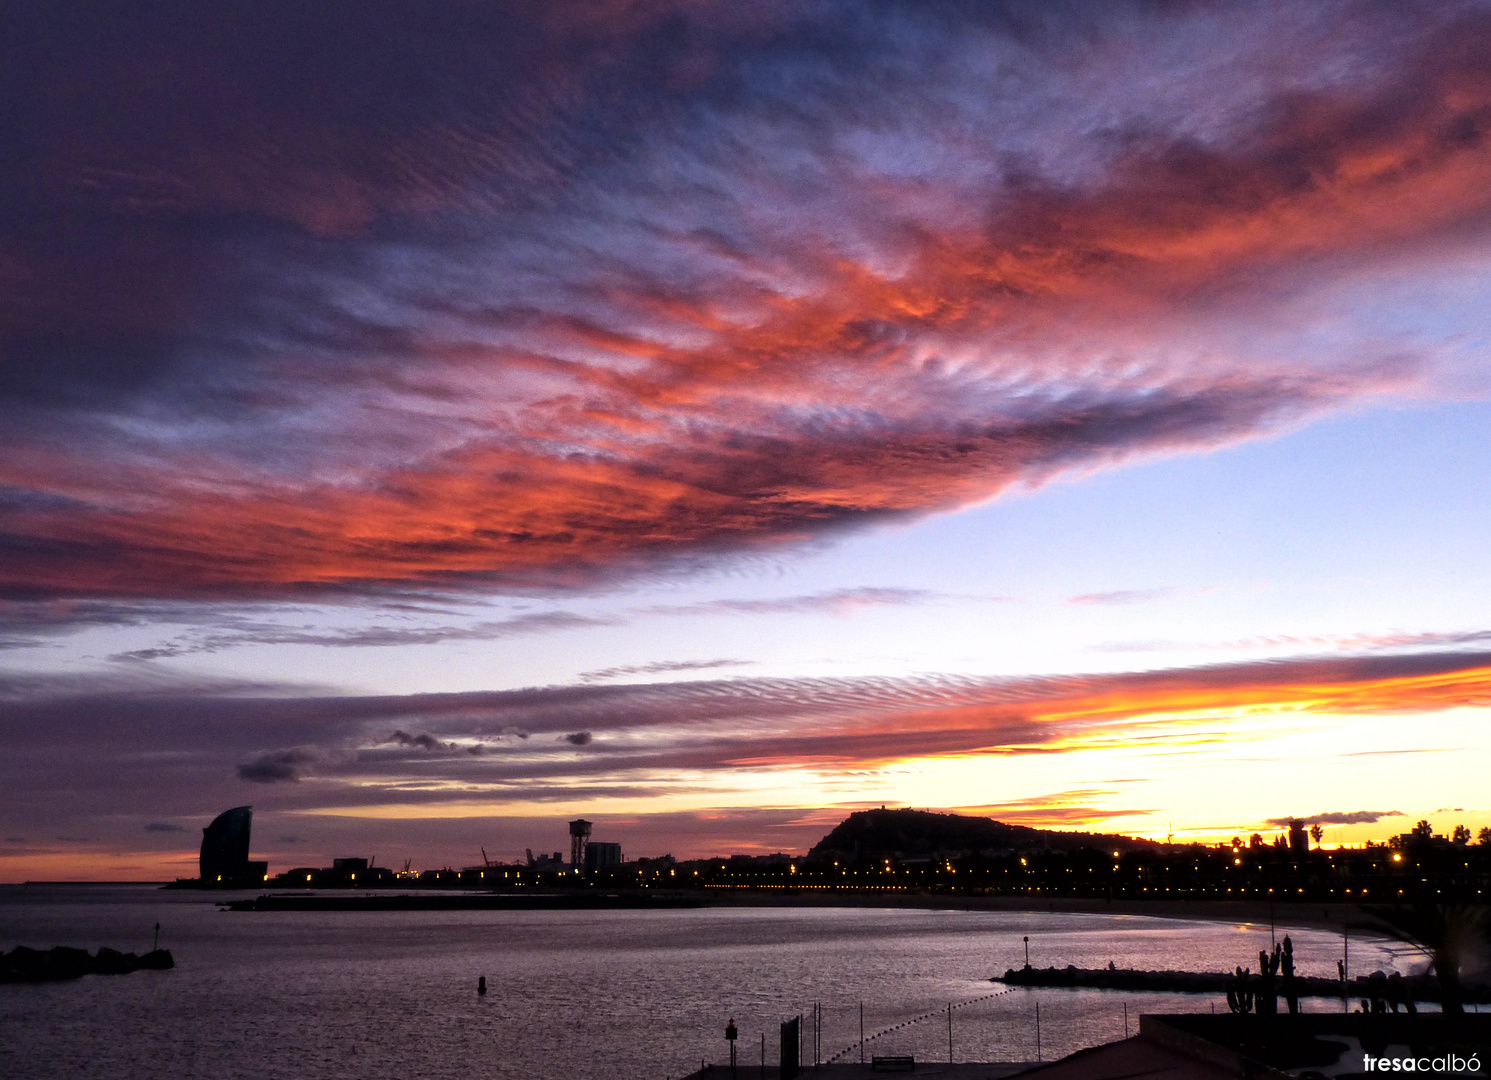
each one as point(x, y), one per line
point(225, 847)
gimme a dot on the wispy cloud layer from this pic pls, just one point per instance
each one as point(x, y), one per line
point(265, 633)
point(214, 627)
point(491, 297)
point(399, 621)
point(1346, 643)
point(834, 602)
point(1125, 596)
point(560, 744)
point(658, 667)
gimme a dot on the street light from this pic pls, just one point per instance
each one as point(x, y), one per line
point(1027, 950)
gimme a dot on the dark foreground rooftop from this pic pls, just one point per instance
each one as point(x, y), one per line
point(997, 1070)
point(1313, 1046)
point(1327, 1044)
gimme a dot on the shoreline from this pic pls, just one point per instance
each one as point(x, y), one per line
point(1315, 916)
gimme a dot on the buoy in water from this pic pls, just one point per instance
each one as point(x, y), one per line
point(481, 984)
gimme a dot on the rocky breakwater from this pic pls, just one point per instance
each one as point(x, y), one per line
point(1371, 988)
point(1186, 982)
point(53, 965)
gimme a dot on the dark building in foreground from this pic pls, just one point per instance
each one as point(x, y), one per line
point(225, 850)
point(601, 856)
point(343, 873)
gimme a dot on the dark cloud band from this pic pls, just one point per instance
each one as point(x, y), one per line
point(435, 747)
point(490, 298)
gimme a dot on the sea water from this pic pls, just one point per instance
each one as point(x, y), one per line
point(599, 995)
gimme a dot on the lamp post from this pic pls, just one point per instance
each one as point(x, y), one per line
point(1027, 950)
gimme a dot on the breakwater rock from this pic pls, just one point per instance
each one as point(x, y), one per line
point(1184, 982)
point(53, 965)
point(1419, 988)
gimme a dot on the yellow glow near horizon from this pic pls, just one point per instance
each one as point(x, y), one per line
point(1180, 777)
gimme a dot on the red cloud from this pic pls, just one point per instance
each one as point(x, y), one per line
point(493, 341)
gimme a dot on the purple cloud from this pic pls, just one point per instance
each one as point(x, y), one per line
point(549, 301)
point(658, 667)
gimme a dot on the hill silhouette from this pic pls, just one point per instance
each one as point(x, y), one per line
point(903, 834)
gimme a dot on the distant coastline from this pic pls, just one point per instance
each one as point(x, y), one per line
point(1319, 915)
point(1256, 913)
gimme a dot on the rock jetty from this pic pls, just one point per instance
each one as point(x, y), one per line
point(1421, 988)
point(54, 965)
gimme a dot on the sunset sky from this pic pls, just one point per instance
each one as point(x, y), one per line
point(431, 422)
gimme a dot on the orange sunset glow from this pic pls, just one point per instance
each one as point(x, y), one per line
point(710, 422)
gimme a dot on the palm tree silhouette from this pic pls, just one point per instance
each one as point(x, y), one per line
point(1453, 936)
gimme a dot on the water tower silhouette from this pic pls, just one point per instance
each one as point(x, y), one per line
point(579, 836)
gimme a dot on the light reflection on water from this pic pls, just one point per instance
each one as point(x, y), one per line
point(608, 995)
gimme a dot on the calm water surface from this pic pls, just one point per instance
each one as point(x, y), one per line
point(601, 995)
